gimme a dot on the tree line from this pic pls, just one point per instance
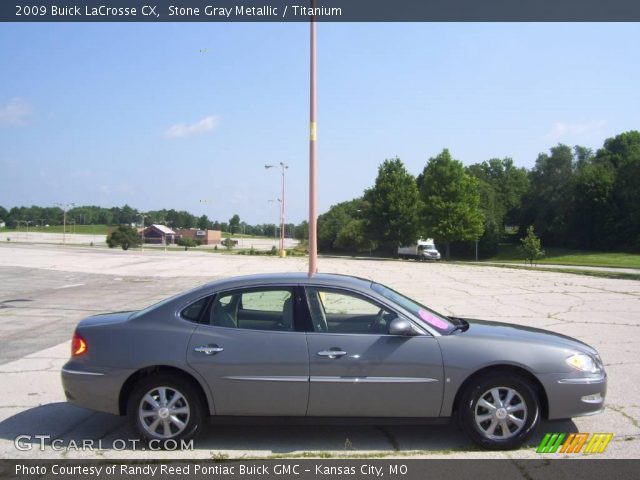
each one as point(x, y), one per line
point(126, 215)
point(573, 197)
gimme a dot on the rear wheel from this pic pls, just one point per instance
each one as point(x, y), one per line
point(499, 412)
point(165, 407)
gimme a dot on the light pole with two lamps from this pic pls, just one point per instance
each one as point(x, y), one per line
point(65, 208)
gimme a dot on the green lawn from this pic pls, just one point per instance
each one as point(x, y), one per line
point(85, 229)
point(564, 256)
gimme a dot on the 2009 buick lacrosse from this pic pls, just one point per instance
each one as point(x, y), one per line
point(329, 346)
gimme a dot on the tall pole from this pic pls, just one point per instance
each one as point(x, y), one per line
point(313, 243)
point(64, 207)
point(283, 168)
point(282, 214)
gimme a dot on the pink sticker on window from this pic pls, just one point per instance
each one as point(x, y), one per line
point(432, 319)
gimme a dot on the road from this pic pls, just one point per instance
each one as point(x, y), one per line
point(46, 289)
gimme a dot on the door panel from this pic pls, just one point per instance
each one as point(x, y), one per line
point(256, 373)
point(374, 375)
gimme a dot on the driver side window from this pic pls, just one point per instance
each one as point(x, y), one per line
point(335, 311)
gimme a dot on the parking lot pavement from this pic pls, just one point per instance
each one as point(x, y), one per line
point(45, 290)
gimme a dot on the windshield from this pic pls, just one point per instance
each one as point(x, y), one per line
point(423, 314)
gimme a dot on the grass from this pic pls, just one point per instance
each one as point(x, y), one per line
point(568, 269)
point(510, 253)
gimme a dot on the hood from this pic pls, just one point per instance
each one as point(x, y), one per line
point(105, 318)
point(487, 329)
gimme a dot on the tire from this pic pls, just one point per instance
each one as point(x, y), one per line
point(496, 424)
point(151, 417)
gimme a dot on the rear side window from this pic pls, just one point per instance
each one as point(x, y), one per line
point(265, 308)
point(194, 311)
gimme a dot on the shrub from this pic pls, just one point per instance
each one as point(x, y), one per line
point(124, 237)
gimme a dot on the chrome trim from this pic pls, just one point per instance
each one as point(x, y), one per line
point(208, 350)
point(80, 372)
point(332, 353)
point(581, 381)
point(270, 379)
point(327, 379)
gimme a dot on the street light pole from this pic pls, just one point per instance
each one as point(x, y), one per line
point(64, 207)
point(283, 168)
point(313, 243)
point(275, 227)
point(143, 216)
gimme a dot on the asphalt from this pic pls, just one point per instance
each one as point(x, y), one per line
point(45, 290)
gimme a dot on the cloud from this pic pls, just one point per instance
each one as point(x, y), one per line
point(15, 112)
point(182, 130)
point(562, 130)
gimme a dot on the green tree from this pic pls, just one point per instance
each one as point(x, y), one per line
point(331, 223)
point(622, 154)
point(502, 186)
point(4, 214)
point(531, 246)
point(592, 213)
point(187, 242)
point(124, 236)
point(451, 202)
point(352, 237)
point(203, 223)
point(228, 243)
point(392, 206)
point(301, 231)
point(234, 223)
point(550, 200)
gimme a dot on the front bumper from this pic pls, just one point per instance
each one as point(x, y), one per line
point(574, 396)
point(93, 388)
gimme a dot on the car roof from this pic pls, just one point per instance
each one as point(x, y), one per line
point(324, 279)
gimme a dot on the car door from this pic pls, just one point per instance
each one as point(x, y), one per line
point(250, 354)
point(357, 369)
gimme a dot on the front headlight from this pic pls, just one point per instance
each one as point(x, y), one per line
point(583, 362)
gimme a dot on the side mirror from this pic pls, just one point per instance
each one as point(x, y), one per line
point(401, 326)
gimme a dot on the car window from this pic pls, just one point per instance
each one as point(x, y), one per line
point(254, 309)
point(267, 300)
point(337, 311)
point(193, 311)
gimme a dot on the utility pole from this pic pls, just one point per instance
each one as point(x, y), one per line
point(313, 240)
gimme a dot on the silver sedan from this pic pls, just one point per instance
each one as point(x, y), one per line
point(285, 345)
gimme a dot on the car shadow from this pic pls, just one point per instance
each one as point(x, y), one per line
point(61, 426)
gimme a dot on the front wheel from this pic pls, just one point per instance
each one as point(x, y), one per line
point(499, 412)
point(165, 407)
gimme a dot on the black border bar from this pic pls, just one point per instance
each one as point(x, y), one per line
point(320, 469)
point(327, 11)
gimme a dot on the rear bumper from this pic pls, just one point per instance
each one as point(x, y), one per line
point(95, 388)
point(570, 396)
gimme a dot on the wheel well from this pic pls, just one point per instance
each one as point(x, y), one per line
point(493, 369)
point(135, 377)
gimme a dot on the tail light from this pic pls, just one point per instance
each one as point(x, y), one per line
point(78, 345)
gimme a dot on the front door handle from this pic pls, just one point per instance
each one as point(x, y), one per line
point(211, 349)
point(333, 353)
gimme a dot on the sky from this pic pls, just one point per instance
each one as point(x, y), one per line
point(185, 116)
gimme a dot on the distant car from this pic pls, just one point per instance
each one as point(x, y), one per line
point(285, 345)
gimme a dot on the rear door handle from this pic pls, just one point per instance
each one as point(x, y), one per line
point(208, 349)
point(337, 353)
